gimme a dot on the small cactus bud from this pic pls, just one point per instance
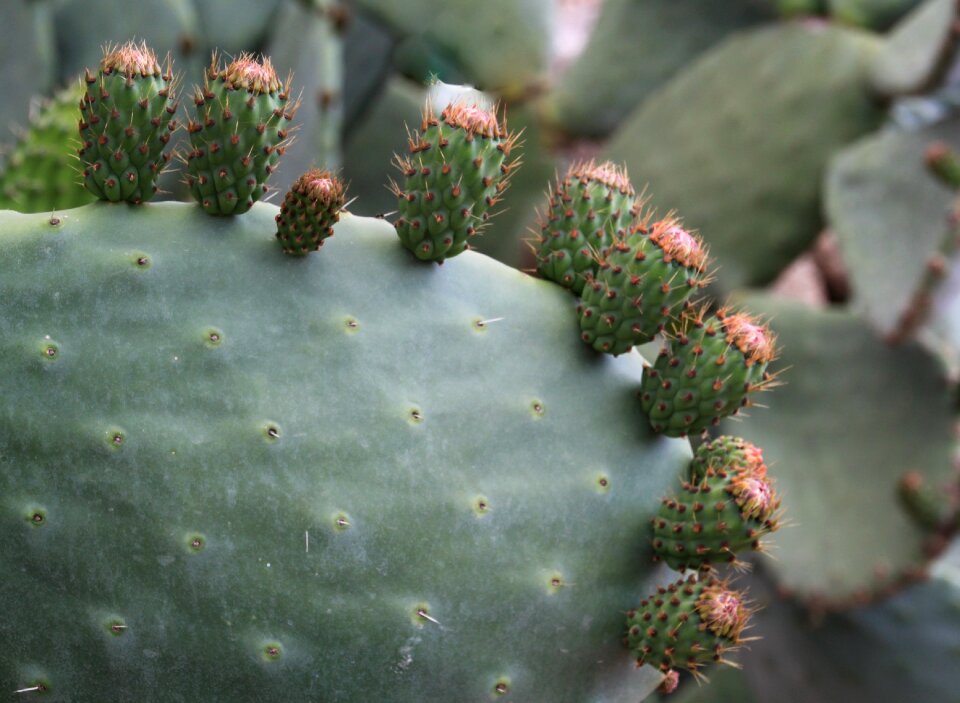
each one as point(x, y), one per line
point(688, 624)
point(733, 453)
point(125, 123)
point(707, 371)
point(643, 283)
point(454, 175)
point(243, 118)
point(309, 211)
point(586, 210)
point(726, 511)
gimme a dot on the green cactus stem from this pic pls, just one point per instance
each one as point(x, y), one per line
point(455, 174)
point(242, 128)
point(688, 624)
point(707, 371)
point(125, 124)
point(309, 211)
point(725, 512)
point(645, 280)
point(587, 210)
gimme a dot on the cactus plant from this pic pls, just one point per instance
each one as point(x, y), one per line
point(39, 174)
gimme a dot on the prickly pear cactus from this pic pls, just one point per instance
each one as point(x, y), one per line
point(235, 475)
point(39, 175)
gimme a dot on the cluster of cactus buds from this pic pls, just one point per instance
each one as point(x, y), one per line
point(242, 126)
point(637, 278)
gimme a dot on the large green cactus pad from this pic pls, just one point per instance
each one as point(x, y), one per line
point(737, 142)
point(634, 48)
point(919, 52)
point(853, 416)
point(229, 474)
point(891, 215)
point(906, 648)
point(500, 44)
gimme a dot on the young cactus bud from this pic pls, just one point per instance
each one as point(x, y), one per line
point(728, 452)
point(727, 511)
point(242, 127)
point(688, 624)
point(125, 123)
point(645, 280)
point(455, 174)
point(707, 372)
point(587, 209)
point(309, 211)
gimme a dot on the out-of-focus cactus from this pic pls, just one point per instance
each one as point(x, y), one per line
point(41, 173)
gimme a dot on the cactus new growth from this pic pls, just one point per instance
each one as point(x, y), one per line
point(243, 120)
point(309, 211)
point(125, 124)
point(714, 517)
point(707, 371)
point(456, 172)
point(645, 280)
point(587, 210)
point(688, 624)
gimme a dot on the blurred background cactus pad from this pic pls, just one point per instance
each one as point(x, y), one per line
point(528, 350)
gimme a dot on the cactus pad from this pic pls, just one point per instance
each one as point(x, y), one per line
point(713, 518)
point(586, 210)
point(244, 116)
point(688, 624)
point(125, 124)
point(236, 475)
point(707, 372)
point(457, 170)
point(644, 281)
point(703, 142)
point(852, 418)
point(309, 211)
